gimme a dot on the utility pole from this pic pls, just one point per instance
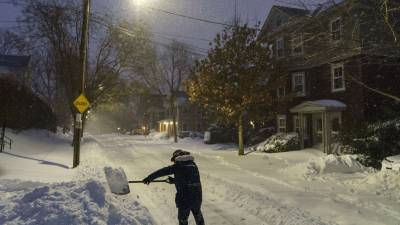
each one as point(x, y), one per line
point(83, 57)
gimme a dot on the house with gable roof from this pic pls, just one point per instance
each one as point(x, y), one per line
point(329, 55)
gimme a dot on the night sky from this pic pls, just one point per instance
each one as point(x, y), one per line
point(184, 30)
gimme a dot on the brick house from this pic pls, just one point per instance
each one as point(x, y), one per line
point(325, 54)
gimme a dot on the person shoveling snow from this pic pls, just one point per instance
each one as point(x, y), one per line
point(188, 186)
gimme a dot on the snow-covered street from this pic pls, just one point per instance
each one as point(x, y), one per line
point(284, 188)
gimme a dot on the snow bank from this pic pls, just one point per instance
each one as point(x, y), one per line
point(386, 183)
point(279, 142)
point(69, 203)
point(328, 164)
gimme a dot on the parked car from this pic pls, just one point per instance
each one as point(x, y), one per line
point(191, 134)
point(217, 133)
point(184, 134)
point(391, 163)
point(140, 131)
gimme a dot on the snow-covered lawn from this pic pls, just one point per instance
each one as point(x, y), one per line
point(301, 187)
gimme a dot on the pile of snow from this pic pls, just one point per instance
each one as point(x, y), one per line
point(279, 142)
point(84, 202)
point(344, 164)
point(337, 164)
point(386, 183)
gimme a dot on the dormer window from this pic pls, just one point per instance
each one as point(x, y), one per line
point(278, 21)
point(297, 44)
point(336, 29)
point(280, 48)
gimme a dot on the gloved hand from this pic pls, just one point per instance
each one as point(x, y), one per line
point(170, 180)
point(146, 181)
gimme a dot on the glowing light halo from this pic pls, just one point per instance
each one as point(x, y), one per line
point(140, 3)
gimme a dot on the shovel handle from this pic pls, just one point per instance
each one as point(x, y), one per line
point(140, 181)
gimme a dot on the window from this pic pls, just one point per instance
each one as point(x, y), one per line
point(271, 51)
point(297, 45)
point(281, 92)
point(281, 124)
point(336, 29)
point(296, 124)
point(299, 84)
point(338, 78)
point(336, 121)
point(278, 21)
point(280, 48)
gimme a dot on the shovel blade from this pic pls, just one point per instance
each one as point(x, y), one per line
point(117, 180)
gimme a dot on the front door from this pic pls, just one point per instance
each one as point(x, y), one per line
point(317, 130)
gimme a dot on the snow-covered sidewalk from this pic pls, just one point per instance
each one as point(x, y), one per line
point(303, 187)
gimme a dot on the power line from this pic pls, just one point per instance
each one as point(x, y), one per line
point(160, 35)
point(199, 51)
point(189, 17)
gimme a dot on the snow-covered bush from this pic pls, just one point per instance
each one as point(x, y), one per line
point(376, 141)
point(280, 142)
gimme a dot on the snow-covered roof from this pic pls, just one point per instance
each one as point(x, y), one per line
point(319, 106)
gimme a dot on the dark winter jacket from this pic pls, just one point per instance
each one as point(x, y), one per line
point(187, 180)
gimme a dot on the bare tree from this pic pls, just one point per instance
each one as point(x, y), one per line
point(11, 43)
point(57, 26)
point(175, 68)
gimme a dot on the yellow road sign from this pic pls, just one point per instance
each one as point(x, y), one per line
point(81, 103)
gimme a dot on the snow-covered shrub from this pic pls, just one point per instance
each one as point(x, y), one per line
point(375, 141)
point(280, 142)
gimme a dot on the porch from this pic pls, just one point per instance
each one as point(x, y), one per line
point(318, 123)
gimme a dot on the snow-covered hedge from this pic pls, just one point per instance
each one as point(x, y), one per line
point(375, 141)
point(280, 142)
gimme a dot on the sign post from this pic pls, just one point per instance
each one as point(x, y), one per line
point(81, 104)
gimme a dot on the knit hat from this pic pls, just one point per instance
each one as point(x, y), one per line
point(177, 153)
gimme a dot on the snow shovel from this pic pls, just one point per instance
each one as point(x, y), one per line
point(118, 182)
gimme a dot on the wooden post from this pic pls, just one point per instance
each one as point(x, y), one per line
point(3, 133)
point(240, 135)
point(323, 119)
point(301, 131)
point(328, 132)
